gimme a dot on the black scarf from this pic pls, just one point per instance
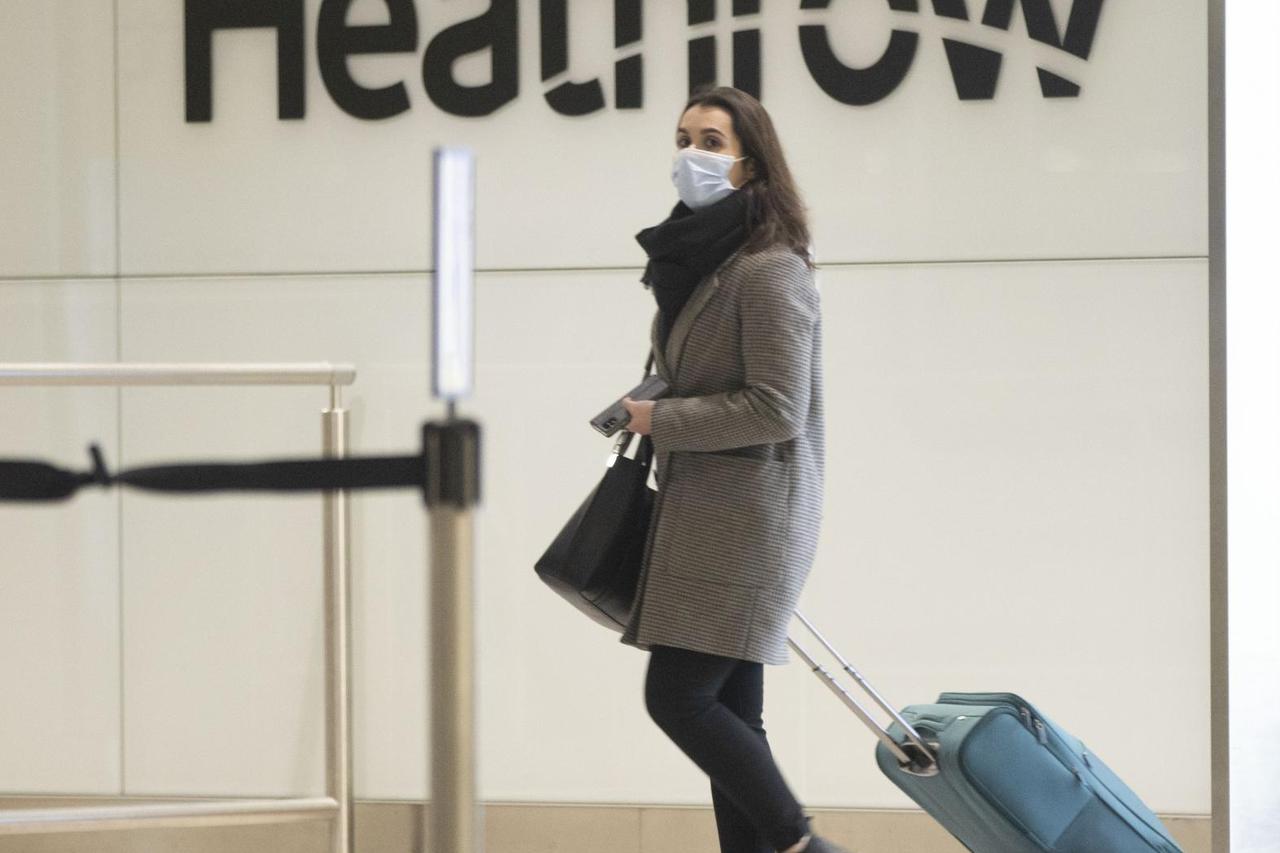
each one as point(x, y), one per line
point(686, 247)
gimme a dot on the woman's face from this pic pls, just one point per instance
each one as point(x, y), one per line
point(711, 129)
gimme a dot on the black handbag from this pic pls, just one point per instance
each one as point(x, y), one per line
point(594, 562)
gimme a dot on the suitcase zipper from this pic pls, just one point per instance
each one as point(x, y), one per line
point(1026, 718)
point(996, 699)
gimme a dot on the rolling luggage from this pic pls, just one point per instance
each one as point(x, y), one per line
point(1001, 776)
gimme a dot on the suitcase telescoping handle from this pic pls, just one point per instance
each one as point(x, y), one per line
point(915, 755)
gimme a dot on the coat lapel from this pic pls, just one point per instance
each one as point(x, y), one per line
point(667, 361)
point(659, 358)
point(670, 357)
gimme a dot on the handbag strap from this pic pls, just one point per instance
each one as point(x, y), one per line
point(644, 452)
point(622, 443)
point(646, 442)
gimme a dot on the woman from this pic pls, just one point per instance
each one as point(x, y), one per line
point(739, 448)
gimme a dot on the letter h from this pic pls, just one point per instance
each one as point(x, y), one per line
point(202, 17)
point(746, 48)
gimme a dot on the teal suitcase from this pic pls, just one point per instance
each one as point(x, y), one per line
point(1001, 776)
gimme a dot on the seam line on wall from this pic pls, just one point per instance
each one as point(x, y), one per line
point(822, 265)
point(120, 633)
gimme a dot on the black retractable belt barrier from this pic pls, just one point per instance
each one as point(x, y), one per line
point(37, 481)
point(446, 472)
point(295, 475)
point(450, 452)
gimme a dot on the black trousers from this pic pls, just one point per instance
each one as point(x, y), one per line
point(712, 707)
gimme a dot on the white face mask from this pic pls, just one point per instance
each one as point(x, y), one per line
point(702, 177)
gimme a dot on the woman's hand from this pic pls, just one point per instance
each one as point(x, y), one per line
point(641, 412)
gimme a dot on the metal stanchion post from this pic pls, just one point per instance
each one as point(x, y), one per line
point(337, 553)
point(452, 449)
point(453, 490)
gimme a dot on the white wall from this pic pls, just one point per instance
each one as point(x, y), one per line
point(1014, 301)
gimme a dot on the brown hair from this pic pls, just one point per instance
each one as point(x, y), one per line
point(775, 213)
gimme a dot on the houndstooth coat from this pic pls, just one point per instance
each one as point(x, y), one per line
point(740, 452)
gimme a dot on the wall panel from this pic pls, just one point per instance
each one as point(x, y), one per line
point(224, 603)
point(59, 563)
point(1018, 491)
point(57, 175)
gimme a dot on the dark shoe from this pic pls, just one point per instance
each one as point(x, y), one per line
point(817, 844)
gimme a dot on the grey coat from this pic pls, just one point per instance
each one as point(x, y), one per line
point(740, 454)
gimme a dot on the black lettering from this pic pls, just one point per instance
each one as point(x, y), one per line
point(497, 29)
point(628, 24)
point(746, 62)
point(701, 12)
point(628, 73)
point(1077, 39)
point(1082, 24)
point(335, 41)
point(702, 62)
point(569, 98)
point(858, 86)
point(702, 50)
point(628, 82)
point(746, 51)
point(1053, 86)
point(951, 9)
point(202, 17)
point(974, 69)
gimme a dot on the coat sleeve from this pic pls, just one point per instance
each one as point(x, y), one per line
point(778, 311)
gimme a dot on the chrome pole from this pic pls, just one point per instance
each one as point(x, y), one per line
point(453, 817)
point(337, 562)
point(452, 450)
point(452, 823)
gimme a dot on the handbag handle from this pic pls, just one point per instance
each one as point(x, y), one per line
point(623, 442)
point(644, 453)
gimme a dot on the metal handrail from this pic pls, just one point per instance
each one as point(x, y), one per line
point(151, 815)
point(125, 374)
point(338, 805)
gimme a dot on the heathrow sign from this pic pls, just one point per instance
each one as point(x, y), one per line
point(975, 69)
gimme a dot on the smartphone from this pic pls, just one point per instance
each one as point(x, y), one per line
point(616, 416)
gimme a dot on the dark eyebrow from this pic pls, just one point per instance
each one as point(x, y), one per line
point(705, 130)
